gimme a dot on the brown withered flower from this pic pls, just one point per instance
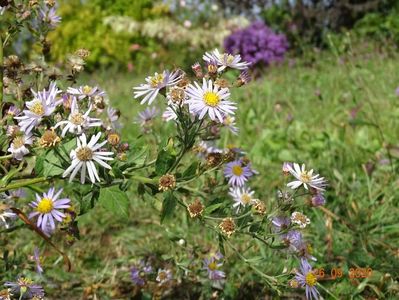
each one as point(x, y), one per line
point(259, 206)
point(167, 182)
point(195, 209)
point(113, 138)
point(49, 139)
point(176, 95)
point(222, 83)
point(213, 159)
point(227, 226)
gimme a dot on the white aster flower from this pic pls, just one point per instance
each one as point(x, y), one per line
point(18, 148)
point(241, 196)
point(113, 117)
point(84, 156)
point(169, 114)
point(209, 99)
point(230, 123)
point(300, 219)
point(85, 91)
point(4, 215)
point(154, 84)
point(306, 178)
point(225, 60)
point(43, 105)
point(78, 122)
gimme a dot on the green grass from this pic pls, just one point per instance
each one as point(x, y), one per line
point(357, 228)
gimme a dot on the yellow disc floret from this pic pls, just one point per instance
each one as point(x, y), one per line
point(37, 108)
point(310, 279)
point(45, 206)
point(237, 170)
point(211, 99)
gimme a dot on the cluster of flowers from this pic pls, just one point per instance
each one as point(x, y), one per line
point(257, 44)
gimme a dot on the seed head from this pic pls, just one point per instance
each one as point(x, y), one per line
point(167, 182)
point(195, 209)
point(49, 139)
point(227, 226)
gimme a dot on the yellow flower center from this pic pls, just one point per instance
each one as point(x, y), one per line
point(237, 170)
point(245, 198)
point(162, 275)
point(18, 142)
point(156, 80)
point(87, 89)
point(77, 119)
point(310, 279)
point(84, 154)
point(211, 99)
point(300, 218)
point(212, 266)
point(45, 206)
point(24, 281)
point(229, 58)
point(305, 177)
point(309, 248)
point(228, 121)
point(37, 108)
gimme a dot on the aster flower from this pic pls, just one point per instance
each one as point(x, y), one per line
point(24, 288)
point(281, 223)
point(204, 148)
point(85, 92)
point(318, 200)
point(300, 219)
point(137, 276)
point(212, 266)
point(243, 78)
point(237, 172)
point(230, 123)
point(163, 276)
point(146, 266)
point(13, 111)
point(77, 122)
point(169, 114)
point(49, 15)
point(154, 84)
point(48, 209)
point(37, 259)
point(6, 215)
point(225, 60)
point(307, 279)
point(305, 178)
point(146, 116)
point(18, 148)
point(43, 105)
point(113, 116)
point(209, 99)
point(84, 156)
point(241, 196)
point(293, 239)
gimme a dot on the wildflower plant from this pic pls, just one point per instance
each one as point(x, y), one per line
point(62, 141)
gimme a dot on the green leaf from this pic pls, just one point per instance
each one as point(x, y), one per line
point(52, 164)
point(165, 160)
point(191, 170)
point(114, 200)
point(168, 206)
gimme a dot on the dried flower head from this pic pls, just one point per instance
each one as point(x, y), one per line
point(176, 95)
point(184, 82)
point(197, 69)
point(113, 138)
point(259, 206)
point(300, 219)
point(227, 226)
point(222, 83)
point(82, 53)
point(213, 159)
point(167, 182)
point(12, 62)
point(195, 209)
point(49, 139)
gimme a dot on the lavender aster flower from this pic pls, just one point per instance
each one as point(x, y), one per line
point(86, 92)
point(307, 279)
point(136, 276)
point(212, 266)
point(225, 60)
point(36, 258)
point(49, 16)
point(77, 122)
point(209, 99)
point(113, 116)
point(154, 84)
point(13, 111)
point(146, 117)
point(305, 178)
point(318, 200)
point(281, 223)
point(293, 239)
point(48, 209)
point(25, 289)
point(237, 172)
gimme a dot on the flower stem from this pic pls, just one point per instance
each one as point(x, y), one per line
point(143, 179)
point(22, 183)
point(1, 71)
point(5, 156)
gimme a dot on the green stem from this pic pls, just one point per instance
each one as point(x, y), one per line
point(1, 71)
point(5, 156)
point(143, 179)
point(22, 183)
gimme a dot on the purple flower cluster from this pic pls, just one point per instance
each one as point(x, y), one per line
point(257, 44)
